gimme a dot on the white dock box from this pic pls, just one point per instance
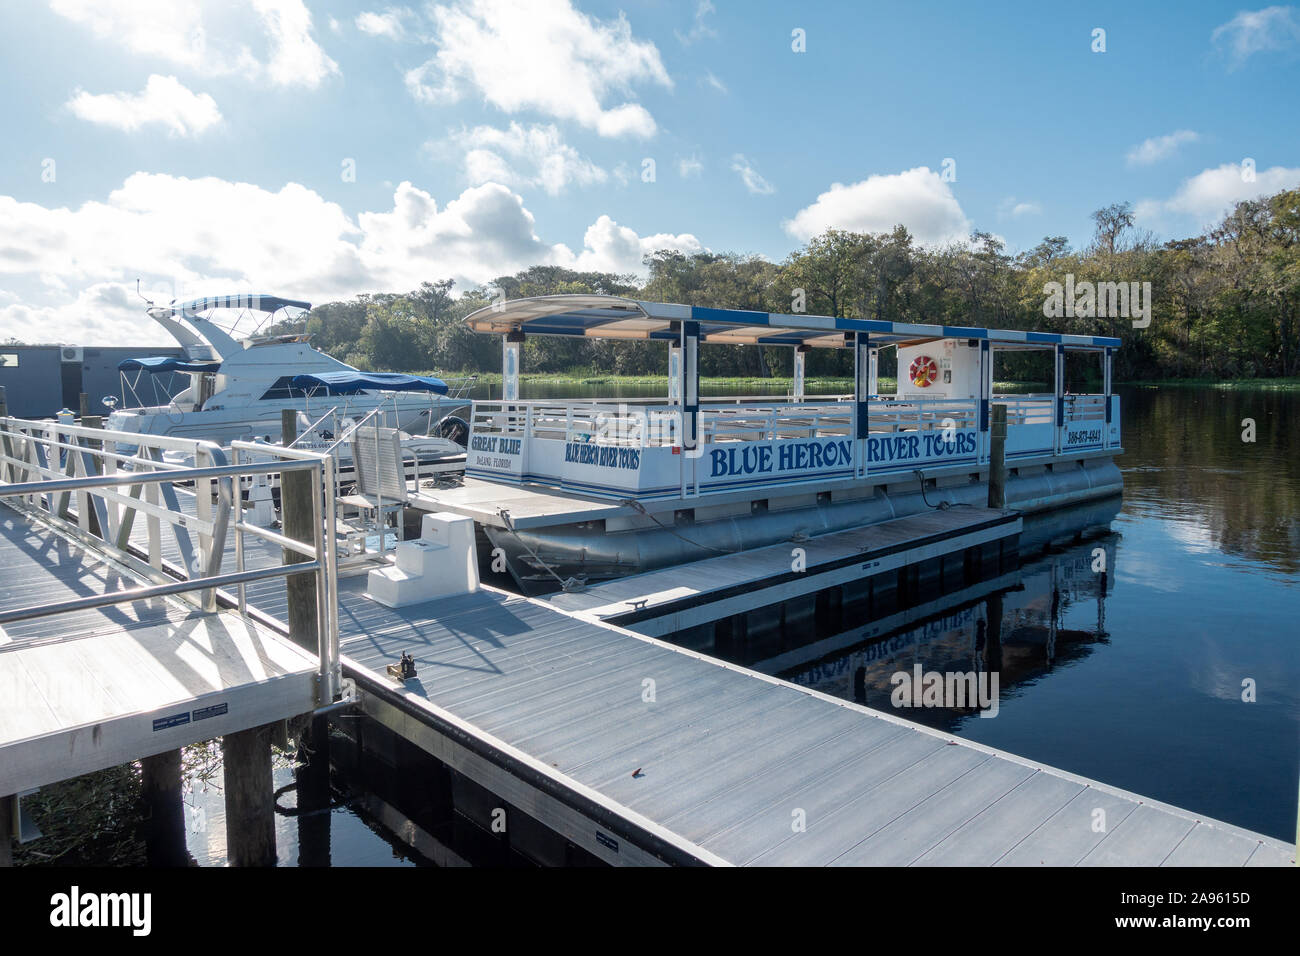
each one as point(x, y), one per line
point(442, 562)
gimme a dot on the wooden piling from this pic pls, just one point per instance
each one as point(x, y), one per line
point(163, 810)
point(313, 778)
point(296, 522)
point(85, 408)
point(998, 457)
point(297, 517)
point(250, 797)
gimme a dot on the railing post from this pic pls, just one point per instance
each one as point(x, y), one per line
point(986, 396)
point(862, 390)
point(1106, 366)
point(690, 389)
point(1058, 392)
point(238, 526)
point(511, 360)
point(998, 457)
point(92, 464)
point(7, 469)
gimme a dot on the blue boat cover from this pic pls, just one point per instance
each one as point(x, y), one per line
point(345, 383)
point(157, 364)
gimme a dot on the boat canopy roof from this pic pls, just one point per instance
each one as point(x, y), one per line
point(348, 382)
point(612, 317)
point(158, 364)
point(252, 302)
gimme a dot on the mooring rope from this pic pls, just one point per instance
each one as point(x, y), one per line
point(943, 505)
point(571, 585)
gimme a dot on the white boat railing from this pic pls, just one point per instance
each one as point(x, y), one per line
point(635, 449)
point(659, 426)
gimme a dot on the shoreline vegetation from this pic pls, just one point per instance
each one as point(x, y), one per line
point(836, 385)
point(1219, 307)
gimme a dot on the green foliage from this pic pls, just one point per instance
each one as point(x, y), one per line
point(91, 820)
point(1225, 304)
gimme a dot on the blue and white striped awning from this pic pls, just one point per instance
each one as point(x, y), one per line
point(611, 317)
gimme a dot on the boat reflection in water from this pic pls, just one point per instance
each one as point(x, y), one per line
point(1006, 631)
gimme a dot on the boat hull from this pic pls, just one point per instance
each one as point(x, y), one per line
point(588, 551)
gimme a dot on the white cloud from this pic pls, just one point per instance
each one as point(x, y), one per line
point(1010, 207)
point(1256, 31)
point(525, 156)
point(1160, 147)
point(540, 55)
point(390, 23)
point(755, 183)
point(164, 101)
point(714, 82)
point(699, 30)
point(610, 247)
point(168, 29)
point(1204, 198)
point(916, 198)
point(296, 60)
point(73, 274)
point(178, 31)
point(689, 167)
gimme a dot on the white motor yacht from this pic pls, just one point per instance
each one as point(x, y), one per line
point(239, 387)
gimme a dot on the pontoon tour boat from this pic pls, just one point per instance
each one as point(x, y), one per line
point(598, 489)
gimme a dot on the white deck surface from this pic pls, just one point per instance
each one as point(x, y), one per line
point(95, 688)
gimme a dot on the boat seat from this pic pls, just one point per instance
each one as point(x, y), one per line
point(380, 473)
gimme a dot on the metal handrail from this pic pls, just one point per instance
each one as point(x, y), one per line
point(321, 553)
point(148, 592)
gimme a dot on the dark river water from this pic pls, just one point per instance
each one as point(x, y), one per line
point(1180, 677)
point(1176, 675)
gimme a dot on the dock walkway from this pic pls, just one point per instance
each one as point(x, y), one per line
point(642, 752)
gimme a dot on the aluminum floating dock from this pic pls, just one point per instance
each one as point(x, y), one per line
point(633, 750)
point(961, 542)
point(529, 506)
point(640, 752)
point(100, 687)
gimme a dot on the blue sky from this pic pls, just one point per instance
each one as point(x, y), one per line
point(318, 149)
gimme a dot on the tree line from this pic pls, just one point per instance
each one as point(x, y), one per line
point(1224, 304)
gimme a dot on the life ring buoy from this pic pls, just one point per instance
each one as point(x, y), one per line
point(923, 371)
